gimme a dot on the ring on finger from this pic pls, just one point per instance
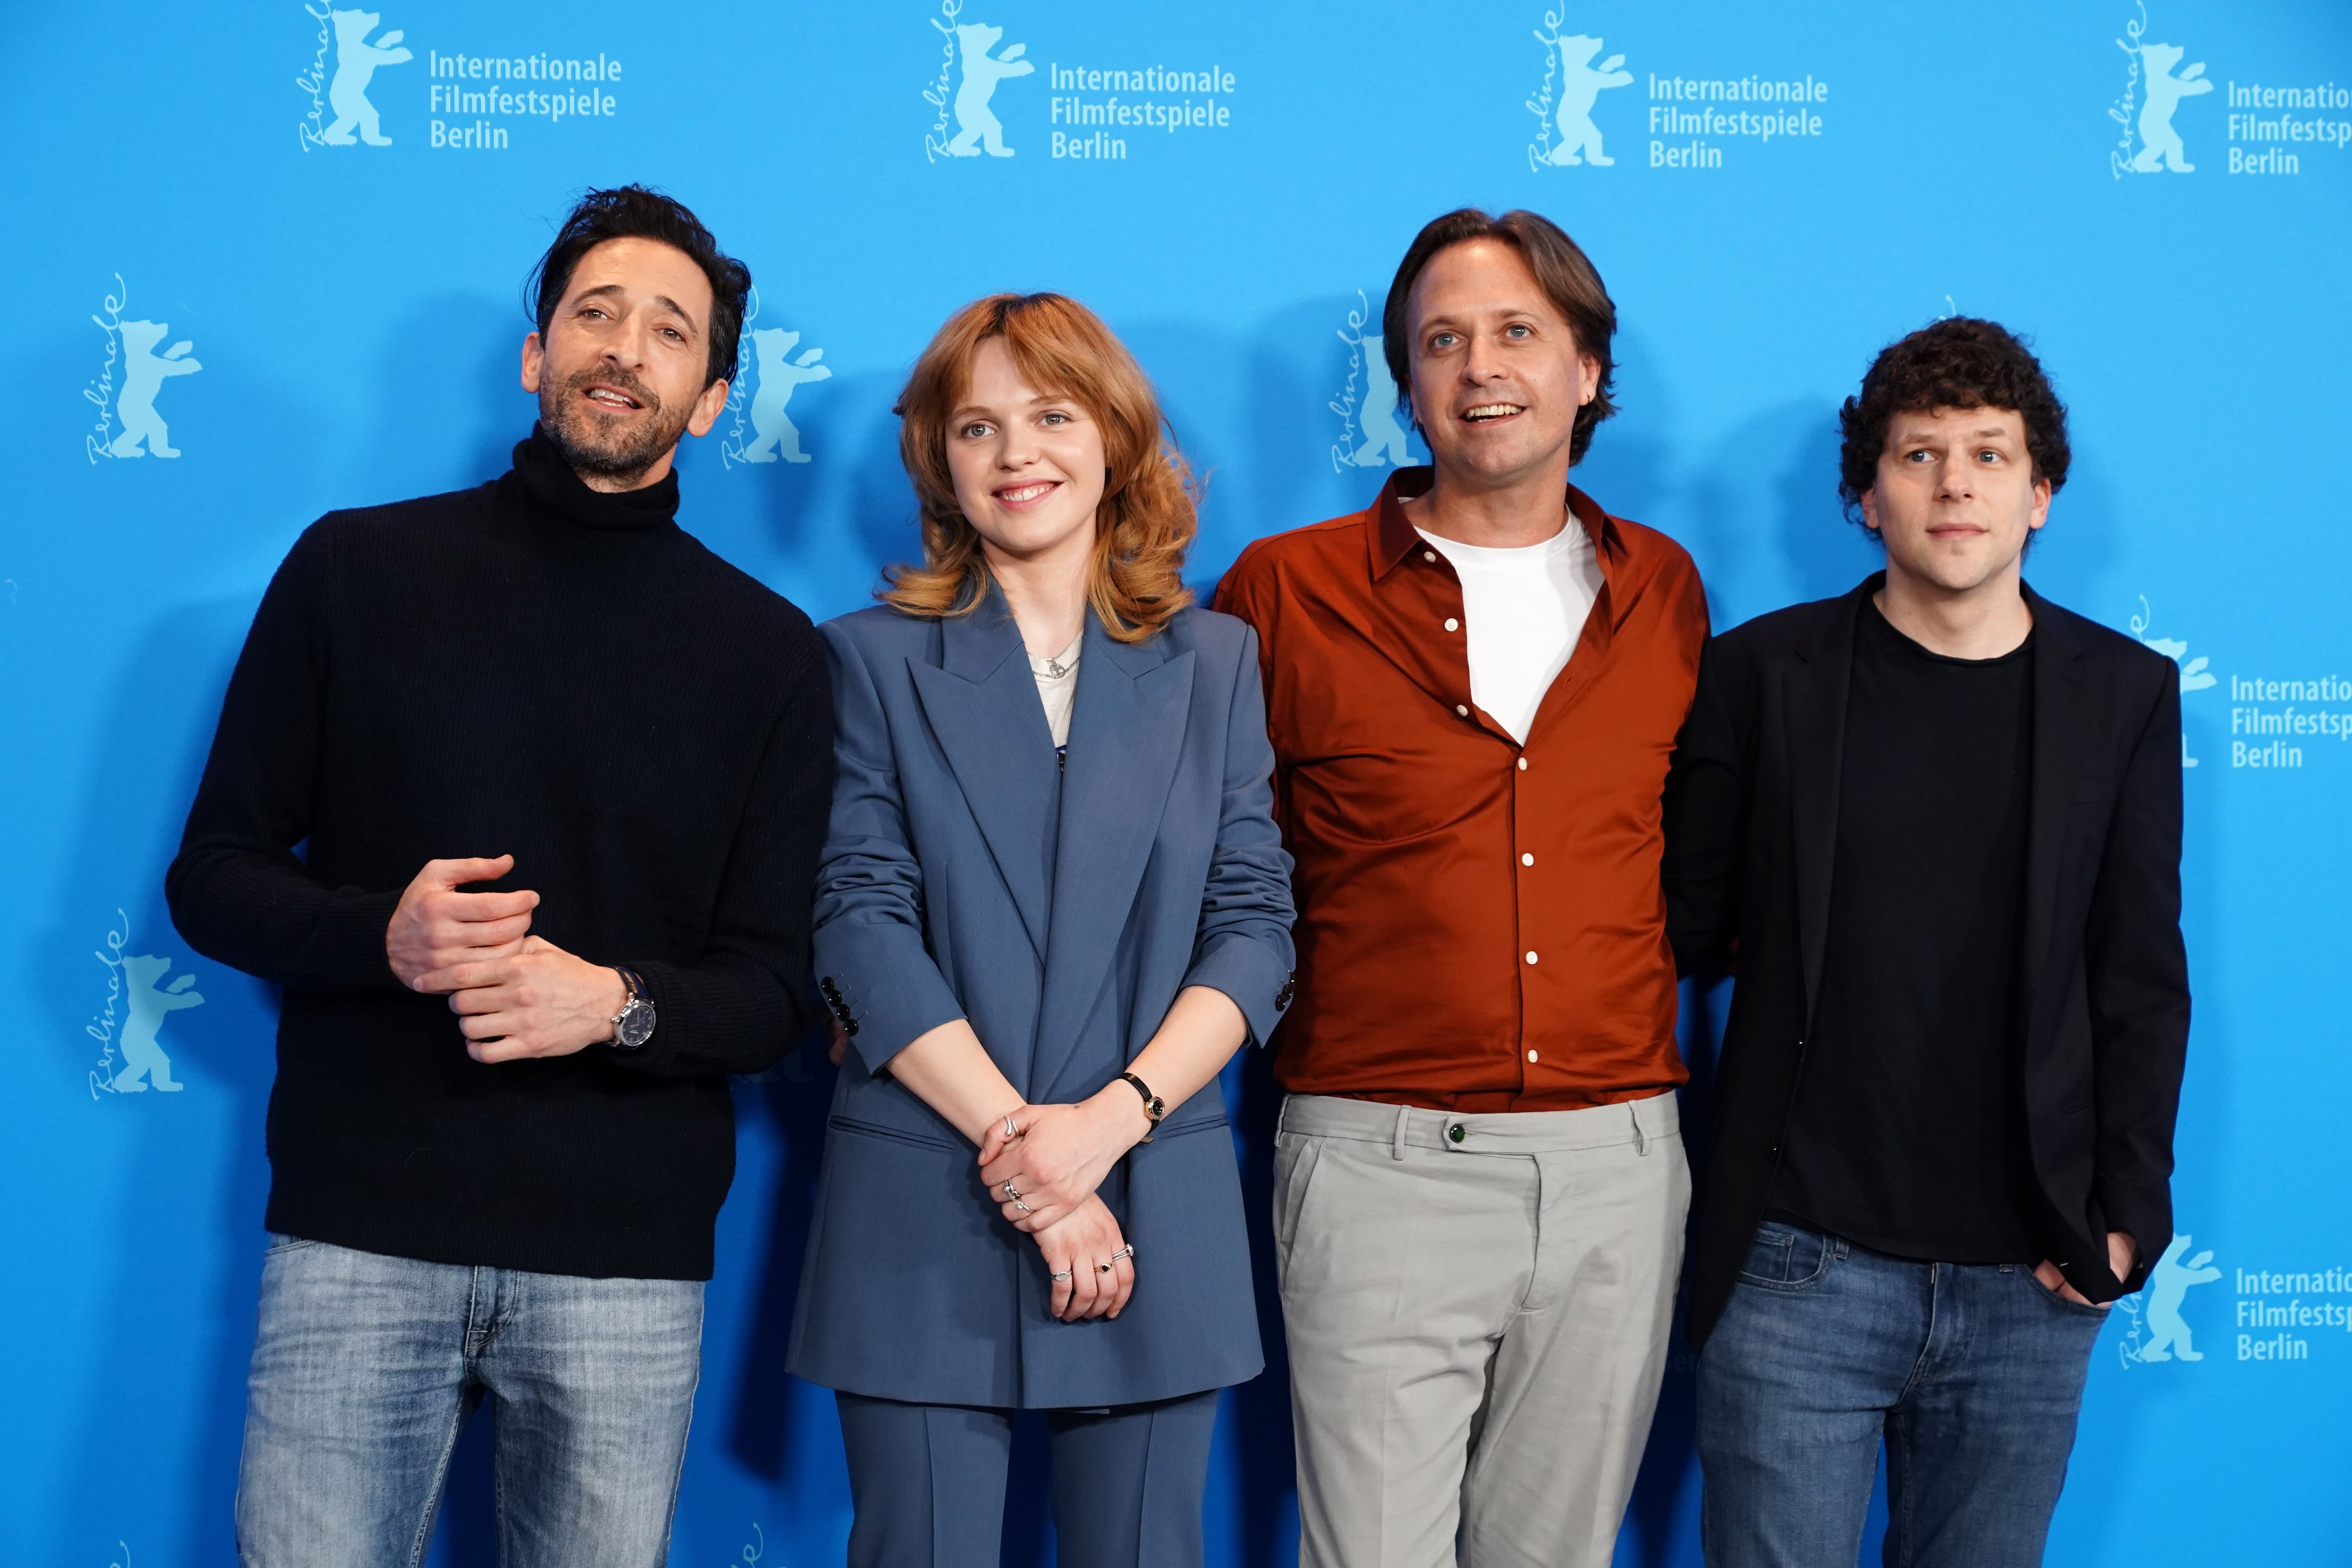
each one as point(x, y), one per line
point(1011, 1193)
point(1012, 1129)
point(1127, 1252)
point(1061, 1279)
point(1024, 1208)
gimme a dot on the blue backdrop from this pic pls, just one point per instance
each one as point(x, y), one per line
point(269, 258)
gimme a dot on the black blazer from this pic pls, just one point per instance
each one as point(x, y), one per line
point(1752, 824)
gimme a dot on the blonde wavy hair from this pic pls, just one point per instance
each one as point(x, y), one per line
point(1149, 512)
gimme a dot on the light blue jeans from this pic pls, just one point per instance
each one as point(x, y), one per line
point(1971, 1373)
point(366, 1367)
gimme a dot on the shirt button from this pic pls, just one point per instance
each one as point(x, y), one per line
point(1526, 860)
point(1457, 1132)
point(1531, 1055)
point(1531, 958)
point(1523, 764)
point(1463, 711)
point(1451, 624)
point(1428, 556)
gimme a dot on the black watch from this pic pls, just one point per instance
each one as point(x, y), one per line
point(1154, 1108)
point(632, 1025)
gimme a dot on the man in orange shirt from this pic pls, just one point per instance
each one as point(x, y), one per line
point(1473, 688)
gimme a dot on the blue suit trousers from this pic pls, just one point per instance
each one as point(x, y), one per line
point(928, 1482)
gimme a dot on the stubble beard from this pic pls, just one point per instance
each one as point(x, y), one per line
point(590, 446)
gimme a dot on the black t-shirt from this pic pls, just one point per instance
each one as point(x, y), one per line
point(1907, 1133)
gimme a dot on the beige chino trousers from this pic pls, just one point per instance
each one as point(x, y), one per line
point(1477, 1309)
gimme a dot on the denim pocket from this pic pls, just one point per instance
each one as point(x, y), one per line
point(1784, 1258)
point(2077, 1309)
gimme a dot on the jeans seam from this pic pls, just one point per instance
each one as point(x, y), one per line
point(424, 1541)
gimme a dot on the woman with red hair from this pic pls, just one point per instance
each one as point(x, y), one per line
point(1052, 905)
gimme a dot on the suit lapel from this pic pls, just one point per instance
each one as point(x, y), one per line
point(1814, 700)
point(982, 703)
point(1126, 733)
point(2060, 720)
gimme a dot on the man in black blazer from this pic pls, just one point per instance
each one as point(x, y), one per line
point(1934, 826)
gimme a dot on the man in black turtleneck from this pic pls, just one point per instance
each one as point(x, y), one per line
point(500, 1132)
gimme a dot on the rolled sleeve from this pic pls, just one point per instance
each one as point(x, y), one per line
point(1245, 947)
point(874, 971)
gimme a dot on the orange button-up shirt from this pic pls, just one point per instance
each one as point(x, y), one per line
point(1480, 923)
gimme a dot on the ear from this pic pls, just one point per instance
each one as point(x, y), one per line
point(1870, 509)
point(2041, 505)
point(706, 408)
point(1590, 367)
point(534, 358)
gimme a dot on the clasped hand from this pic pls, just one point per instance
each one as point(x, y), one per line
point(1055, 1160)
point(515, 995)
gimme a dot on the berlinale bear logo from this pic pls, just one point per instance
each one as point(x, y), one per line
point(1573, 84)
point(125, 386)
point(966, 49)
point(129, 1028)
point(1371, 434)
point(2158, 1333)
point(2152, 90)
point(779, 372)
point(356, 62)
point(143, 373)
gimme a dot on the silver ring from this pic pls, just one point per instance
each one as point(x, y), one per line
point(1011, 1193)
point(1059, 1278)
point(1009, 1130)
point(1127, 1252)
point(1024, 1208)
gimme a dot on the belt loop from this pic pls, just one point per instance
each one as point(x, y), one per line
point(1396, 1144)
point(1282, 1118)
point(1641, 1144)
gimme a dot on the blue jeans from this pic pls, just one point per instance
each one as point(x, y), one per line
point(366, 1368)
point(1971, 1374)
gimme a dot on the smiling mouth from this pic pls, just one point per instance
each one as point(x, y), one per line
point(605, 397)
point(1027, 491)
point(1485, 413)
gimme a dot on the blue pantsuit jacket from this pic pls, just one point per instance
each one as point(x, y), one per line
point(1060, 909)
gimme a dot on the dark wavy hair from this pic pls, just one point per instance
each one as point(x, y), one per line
point(1960, 362)
point(1565, 273)
point(635, 212)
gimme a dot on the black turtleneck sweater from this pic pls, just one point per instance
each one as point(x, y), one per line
point(536, 669)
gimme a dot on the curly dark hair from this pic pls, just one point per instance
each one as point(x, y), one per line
point(1958, 362)
point(635, 212)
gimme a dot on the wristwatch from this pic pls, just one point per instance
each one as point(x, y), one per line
point(632, 1025)
point(1154, 1108)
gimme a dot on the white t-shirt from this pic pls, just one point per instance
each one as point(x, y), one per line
point(1526, 608)
point(1057, 687)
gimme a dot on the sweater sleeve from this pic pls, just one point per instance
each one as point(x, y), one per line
point(746, 1002)
point(237, 892)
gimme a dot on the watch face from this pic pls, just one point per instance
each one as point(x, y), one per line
point(636, 1025)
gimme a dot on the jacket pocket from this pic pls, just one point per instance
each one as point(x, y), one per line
point(853, 1126)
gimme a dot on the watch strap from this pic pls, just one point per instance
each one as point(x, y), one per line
point(1154, 1108)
